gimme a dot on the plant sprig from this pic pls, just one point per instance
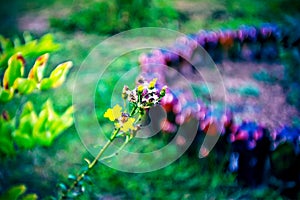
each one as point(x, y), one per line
point(142, 98)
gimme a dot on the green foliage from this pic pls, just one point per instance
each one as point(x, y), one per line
point(40, 129)
point(13, 81)
point(6, 128)
point(108, 17)
point(30, 48)
point(32, 129)
point(18, 193)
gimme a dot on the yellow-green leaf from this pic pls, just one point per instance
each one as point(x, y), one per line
point(30, 197)
point(46, 84)
point(6, 95)
point(24, 86)
point(23, 139)
point(14, 193)
point(37, 71)
point(27, 109)
point(15, 70)
point(6, 143)
point(59, 74)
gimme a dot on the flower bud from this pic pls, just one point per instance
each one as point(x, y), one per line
point(125, 92)
point(163, 91)
point(140, 89)
point(152, 84)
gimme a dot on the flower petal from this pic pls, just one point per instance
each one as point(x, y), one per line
point(113, 113)
point(128, 125)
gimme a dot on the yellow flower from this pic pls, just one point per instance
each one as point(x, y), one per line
point(126, 126)
point(152, 83)
point(113, 113)
point(140, 89)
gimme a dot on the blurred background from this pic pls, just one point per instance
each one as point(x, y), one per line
point(255, 44)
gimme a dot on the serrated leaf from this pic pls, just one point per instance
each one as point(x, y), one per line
point(24, 86)
point(15, 70)
point(14, 193)
point(37, 71)
point(6, 95)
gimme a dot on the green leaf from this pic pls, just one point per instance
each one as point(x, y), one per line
point(27, 108)
point(15, 70)
point(46, 84)
point(30, 197)
point(41, 133)
point(23, 139)
point(6, 95)
point(14, 193)
point(31, 48)
point(24, 86)
point(6, 143)
point(57, 76)
point(27, 37)
point(23, 134)
point(37, 71)
point(6, 146)
point(6, 45)
point(62, 186)
point(72, 177)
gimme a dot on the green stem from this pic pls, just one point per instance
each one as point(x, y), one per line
point(133, 111)
point(91, 165)
point(127, 140)
point(95, 161)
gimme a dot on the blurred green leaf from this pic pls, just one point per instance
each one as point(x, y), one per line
point(24, 86)
point(6, 95)
point(62, 186)
point(37, 71)
point(57, 77)
point(6, 143)
point(30, 197)
point(49, 124)
point(15, 70)
point(14, 193)
point(31, 48)
point(23, 134)
point(23, 139)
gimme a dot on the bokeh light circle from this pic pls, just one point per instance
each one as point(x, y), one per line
point(90, 130)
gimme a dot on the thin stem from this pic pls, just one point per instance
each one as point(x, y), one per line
point(133, 111)
point(92, 164)
point(95, 161)
point(127, 140)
